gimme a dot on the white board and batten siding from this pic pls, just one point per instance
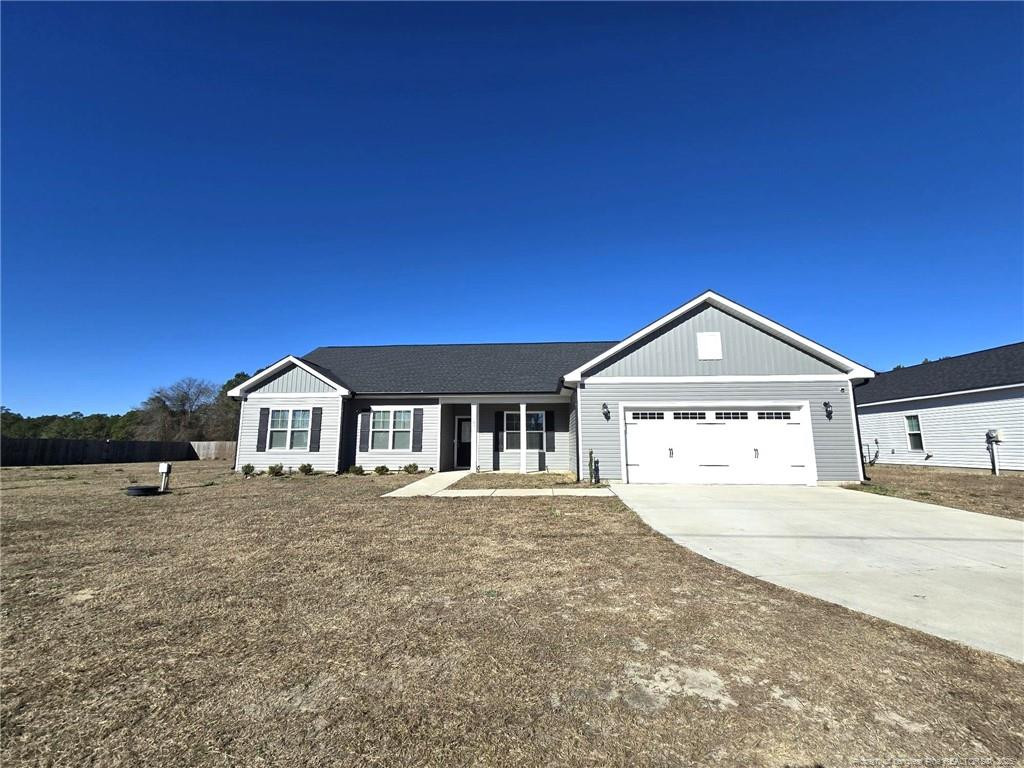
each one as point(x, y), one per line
point(953, 430)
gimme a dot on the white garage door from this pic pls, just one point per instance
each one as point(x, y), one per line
point(730, 444)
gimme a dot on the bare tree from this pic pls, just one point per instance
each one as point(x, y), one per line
point(176, 412)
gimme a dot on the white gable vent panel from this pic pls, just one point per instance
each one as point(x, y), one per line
point(709, 345)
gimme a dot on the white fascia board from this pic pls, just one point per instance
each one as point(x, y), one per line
point(284, 362)
point(511, 397)
point(941, 394)
point(853, 370)
point(844, 377)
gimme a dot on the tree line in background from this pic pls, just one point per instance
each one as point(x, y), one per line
point(190, 409)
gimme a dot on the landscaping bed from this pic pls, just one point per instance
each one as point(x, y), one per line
point(307, 621)
point(975, 491)
point(483, 480)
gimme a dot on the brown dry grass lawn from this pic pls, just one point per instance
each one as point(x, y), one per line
point(515, 480)
point(308, 622)
point(1002, 496)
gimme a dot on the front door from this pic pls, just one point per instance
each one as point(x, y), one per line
point(463, 442)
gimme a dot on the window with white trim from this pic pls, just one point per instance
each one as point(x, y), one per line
point(391, 430)
point(289, 430)
point(915, 440)
point(731, 416)
point(535, 426)
point(648, 416)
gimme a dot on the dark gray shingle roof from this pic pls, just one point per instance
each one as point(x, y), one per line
point(455, 368)
point(976, 370)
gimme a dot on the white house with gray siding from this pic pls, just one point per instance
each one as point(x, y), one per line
point(938, 413)
point(710, 393)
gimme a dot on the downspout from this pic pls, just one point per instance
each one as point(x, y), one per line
point(856, 422)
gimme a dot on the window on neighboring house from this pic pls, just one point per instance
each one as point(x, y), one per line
point(914, 438)
point(289, 430)
point(534, 431)
point(391, 430)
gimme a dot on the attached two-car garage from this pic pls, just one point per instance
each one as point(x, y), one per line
point(769, 443)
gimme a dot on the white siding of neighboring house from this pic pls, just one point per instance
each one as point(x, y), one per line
point(953, 428)
point(324, 460)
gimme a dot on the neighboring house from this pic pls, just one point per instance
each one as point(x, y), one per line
point(937, 414)
point(710, 393)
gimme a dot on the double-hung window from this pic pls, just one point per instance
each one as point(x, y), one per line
point(534, 431)
point(914, 438)
point(289, 430)
point(391, 430)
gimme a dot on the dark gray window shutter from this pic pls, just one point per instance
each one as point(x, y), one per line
point(549, 430)
point(314, 429)
point(261, 433)
point(417, 430)
point(499, 427)
point(364, 431)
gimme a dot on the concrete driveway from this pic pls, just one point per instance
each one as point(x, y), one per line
point(955, 574)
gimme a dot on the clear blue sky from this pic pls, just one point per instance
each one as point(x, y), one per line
point(201, 189)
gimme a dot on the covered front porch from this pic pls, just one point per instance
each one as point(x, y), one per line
point(534, 434)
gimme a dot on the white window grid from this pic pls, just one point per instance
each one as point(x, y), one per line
point(536, 424)
point(391, 430)
point(290, 428)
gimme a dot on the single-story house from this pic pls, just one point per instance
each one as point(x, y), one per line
point(938, 413)
point(710, 393)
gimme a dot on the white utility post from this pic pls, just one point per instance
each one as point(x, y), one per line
point(522, 438)
point(474, 443)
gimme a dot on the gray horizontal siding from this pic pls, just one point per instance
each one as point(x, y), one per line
point(425, 459)
point(953, 429)
point(562, 459)
point(293, 380)
point(746, 351)
point(324, 460)
point(835, 445)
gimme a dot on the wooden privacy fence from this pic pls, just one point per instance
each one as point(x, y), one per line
point(32, 452)
point(215, 449)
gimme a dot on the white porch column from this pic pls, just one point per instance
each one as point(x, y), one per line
point(522, 438)
point(474, 444)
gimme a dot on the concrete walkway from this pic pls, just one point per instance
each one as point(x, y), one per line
point(955, 574)
point(437, 483)
point(430, 484)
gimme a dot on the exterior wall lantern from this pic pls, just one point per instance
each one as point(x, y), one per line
point(605, 411)
point(828, 410)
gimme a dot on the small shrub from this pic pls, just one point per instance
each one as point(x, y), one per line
point(306, 469)
point(355, 469)
point(381, 470)
point(248, 470)
point(275, 470)
point(411, 469)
